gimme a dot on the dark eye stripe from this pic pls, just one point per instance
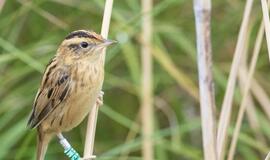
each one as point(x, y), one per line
point(73, 46)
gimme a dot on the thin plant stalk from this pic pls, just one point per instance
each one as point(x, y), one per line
point(163, 106)
point(172, 119)
point(226, 110)
point(47, 15)
point(251, 110)
point(202, 9)
point(261, 96)
point(266, 24)
point(133, 131)
point(268, 156)
point(243, 105)
point(181, 78)
point(147, 95)
point(2, 3)
point(92, 118)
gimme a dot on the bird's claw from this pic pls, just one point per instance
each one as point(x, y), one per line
point(100, 99)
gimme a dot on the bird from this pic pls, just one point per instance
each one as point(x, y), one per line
point(70, 87)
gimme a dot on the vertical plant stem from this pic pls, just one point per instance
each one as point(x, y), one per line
point(268, 156)
point(252, 116)
point(202, 9)
point(246, 92)
point(147, 97)
point(133, 131)
point(261, 96)
point(251, 110)
point(225, 115)
point(266, 23)
point(2, 3)
point(92, 118)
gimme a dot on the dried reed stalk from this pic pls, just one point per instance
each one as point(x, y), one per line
point(92, 118)
point(243, 105)
point(266, 24)
point(268, 156)
point(181, 78)
point(266, 21)
point(2, 3)
point(202, 9)
point(227, 102)
point(251, 110)
point(262, 97)
point(146, 87)
point(132, 133)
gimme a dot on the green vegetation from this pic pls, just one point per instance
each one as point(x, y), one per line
point(30, 32)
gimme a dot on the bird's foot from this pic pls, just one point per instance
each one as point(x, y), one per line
point(100, 99)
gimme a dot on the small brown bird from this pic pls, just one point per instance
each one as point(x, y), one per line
point(70, 86)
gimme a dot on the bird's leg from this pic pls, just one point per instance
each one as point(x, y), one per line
point(63, 141)
point(68, 150)
point(100, 99)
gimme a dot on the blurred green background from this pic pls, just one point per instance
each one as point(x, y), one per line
point(30, 32)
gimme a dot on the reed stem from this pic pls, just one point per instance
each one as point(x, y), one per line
point(202, 9)
point(92, 118)
point(147, 95)
point(226, 109)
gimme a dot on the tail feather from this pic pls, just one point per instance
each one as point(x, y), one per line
point(42, 144)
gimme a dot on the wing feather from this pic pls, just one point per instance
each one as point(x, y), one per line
point(54, 89)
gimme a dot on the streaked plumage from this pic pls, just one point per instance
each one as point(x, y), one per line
point(70, 86)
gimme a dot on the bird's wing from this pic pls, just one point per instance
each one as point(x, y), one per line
point(54, 89)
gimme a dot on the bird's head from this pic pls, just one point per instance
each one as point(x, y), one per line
point(83, 44)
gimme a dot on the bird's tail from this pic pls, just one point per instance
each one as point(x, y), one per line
point(42, 144)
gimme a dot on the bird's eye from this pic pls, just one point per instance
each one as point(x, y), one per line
point(84, 44)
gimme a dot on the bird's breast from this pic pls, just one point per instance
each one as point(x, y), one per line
point(86, 85)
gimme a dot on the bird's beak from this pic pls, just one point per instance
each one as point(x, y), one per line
point(108, 42)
